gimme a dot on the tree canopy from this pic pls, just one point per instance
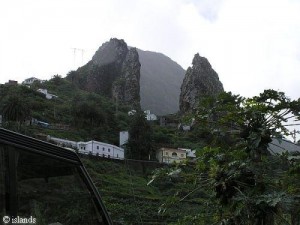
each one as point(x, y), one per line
point(140, 143)
point(250, 184)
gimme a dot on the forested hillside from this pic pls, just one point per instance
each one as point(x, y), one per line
point(80, 116)
point(235, 179)
point(73, 114)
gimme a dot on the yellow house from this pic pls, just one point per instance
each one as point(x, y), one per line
point(170, 155)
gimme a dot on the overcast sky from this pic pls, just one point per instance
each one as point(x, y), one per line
point(252, 44)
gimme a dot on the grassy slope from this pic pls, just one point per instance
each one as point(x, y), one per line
point(130, 200)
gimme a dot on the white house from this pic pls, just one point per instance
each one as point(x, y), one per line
point(62, 142)
point(30, 80)
point(47, 95)
point(150, 116)
point(189, 153)
point(100, 149)
point(184, 127)
point(131, 112)
point(170, 155)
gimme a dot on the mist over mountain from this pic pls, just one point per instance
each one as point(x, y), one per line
point(160, 82)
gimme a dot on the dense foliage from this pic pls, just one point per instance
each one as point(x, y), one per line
point(128, 198)
point(74, 114)
point(235, 180)
point(80, 116)
point(250, 185)
point(140, 143)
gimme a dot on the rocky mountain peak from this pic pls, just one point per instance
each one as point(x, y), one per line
point(113, 51)
point(127, 87)
point(200, 80)
point(132, 76)
point(200, 62)
point(114, 71)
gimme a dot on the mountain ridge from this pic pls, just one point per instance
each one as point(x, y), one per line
point(156, 83)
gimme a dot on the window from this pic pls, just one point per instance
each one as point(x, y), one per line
point(174, 154)
point(97, 147)
point(182, 155)
point(167, 153)
point(108, 156)
point(117, 155)
point(108, 150)
point(103, 149)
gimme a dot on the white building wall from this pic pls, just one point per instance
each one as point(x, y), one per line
point(101, 149)
point(170, 155)
point(30, 80)
point(149, 116)
point(47, 95)
point(61, 141)
point(189, 152)
point(43, 91)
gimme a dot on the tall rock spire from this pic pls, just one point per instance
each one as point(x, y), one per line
point(114, 71)
point(200, 80)
point(127, 87)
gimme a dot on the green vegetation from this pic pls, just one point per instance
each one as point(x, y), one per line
point(248, 184)
point(123, 187)
point(80, 116)
point(235, 180)
point(140, 143)
point(74, 114)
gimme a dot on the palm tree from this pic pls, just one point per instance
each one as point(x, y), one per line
point(15, 109)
